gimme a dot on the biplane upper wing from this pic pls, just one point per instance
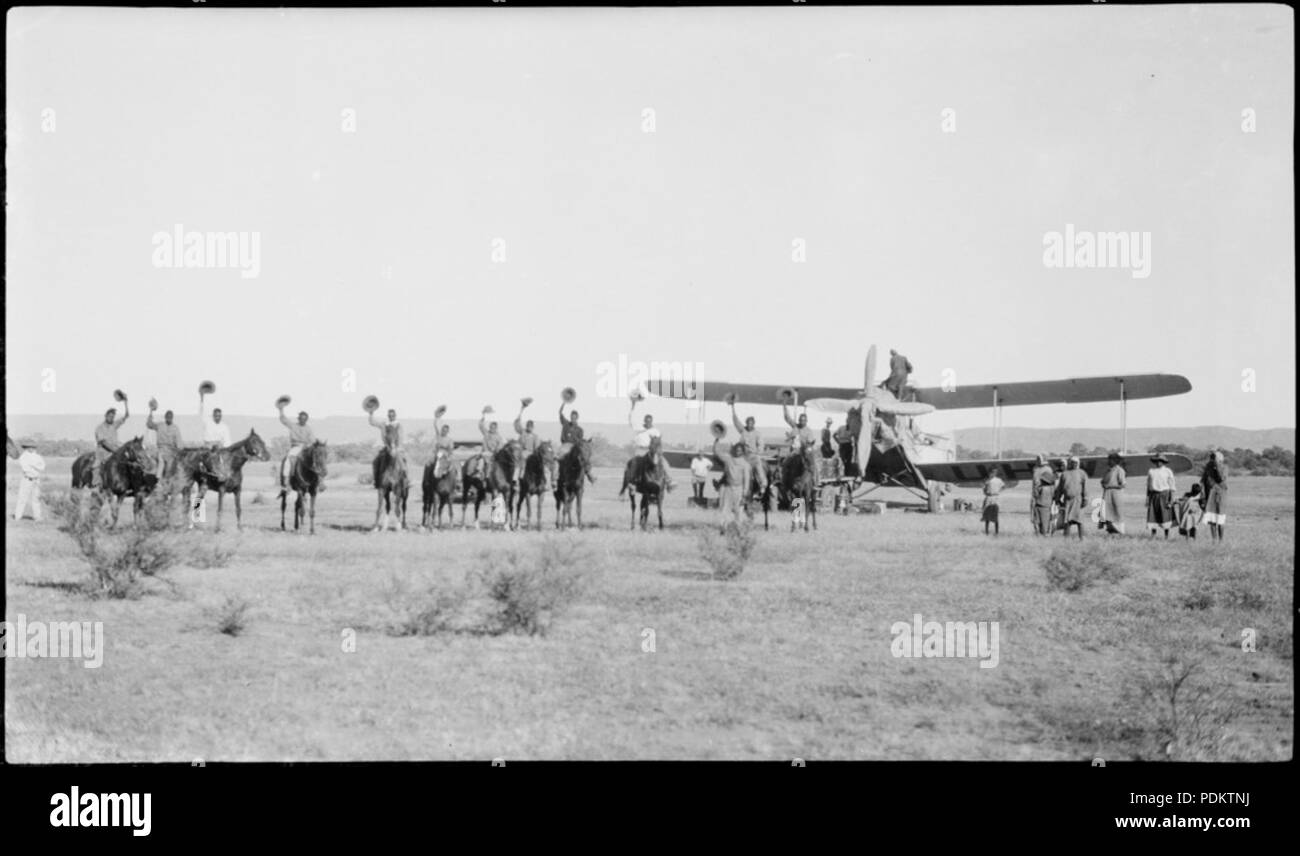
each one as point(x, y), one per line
point(1079, 390)
point(1012, 470)
point(754, 393)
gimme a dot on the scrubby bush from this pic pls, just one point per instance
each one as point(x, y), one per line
point(424, 610)
point(728, 553)
point(232, 616)
point(1183, 711)
point(529, 590)
point(1073, 568)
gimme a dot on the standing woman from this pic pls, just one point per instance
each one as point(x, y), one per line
point(1111, 484)
point(1160, 495)
point(1214, 488)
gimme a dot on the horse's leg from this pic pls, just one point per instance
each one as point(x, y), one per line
point(284, 499)
point(221, 497)
point(379, 506)
point(117, 508)
point(814, 512)
point(659, 507)
point(239, 513)
point(313, 513)
point(631, 495)
point(578, 499)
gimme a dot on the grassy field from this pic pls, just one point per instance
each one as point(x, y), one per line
point(790, 659)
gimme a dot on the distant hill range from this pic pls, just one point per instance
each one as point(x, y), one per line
point(351, 429)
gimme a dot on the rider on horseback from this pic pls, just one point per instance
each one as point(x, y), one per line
point(642, 440)
point(390, 433)
point(300, 436)
point(571, 434)
point(106, 442)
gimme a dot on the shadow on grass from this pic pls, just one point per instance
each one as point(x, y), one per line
point(688, 575)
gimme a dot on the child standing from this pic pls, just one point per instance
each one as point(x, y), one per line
point(992, 490)
point(1188, 510)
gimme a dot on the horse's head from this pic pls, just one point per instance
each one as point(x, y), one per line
point(315, 457)
point(256, 447)
point(511, 458)
point(441, 463)
point(656, 443)
point(546, 452)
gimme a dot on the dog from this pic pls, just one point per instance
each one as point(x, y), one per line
point(796, 514)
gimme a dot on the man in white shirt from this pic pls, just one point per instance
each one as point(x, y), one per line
point(641, 439)
point(29, 487)
point(701, 466)
point(1160, 495)
point(216, 434)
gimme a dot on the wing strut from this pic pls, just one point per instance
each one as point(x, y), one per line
point(1123, 419)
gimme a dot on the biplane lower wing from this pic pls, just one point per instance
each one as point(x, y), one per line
point(1013, 470)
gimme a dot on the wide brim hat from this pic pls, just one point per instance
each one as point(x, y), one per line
point(370, 403)
point(1159, 458)
point(207, 388)
point(283, 401)
point(1115, 458)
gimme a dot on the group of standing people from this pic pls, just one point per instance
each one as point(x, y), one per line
point(1059, 498)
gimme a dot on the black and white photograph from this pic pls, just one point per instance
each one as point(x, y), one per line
point(778, 383)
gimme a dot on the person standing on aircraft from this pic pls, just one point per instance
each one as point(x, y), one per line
point(1072, 495)
point(992, 490)
point(753, 445)
point(1111, 485)
point(899, 368)
point(1040, 496)
point(1214, 493)
point(1160, 496)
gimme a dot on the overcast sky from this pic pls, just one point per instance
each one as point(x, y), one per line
point(526, 133)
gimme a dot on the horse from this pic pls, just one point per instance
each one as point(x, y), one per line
point(571, 481)
point(799, 481)
point(474, 477)
point(765, 497)
point(538, 473)
point(503, 476)
point(391, 489)
point(441, 478)
point(128, 471)
point(221, 470)
point(306, 477)
point(644, 475)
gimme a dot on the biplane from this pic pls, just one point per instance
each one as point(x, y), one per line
point(890, 448)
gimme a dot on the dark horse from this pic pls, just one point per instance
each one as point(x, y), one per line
point(767, 499)
point(441, 478)
point(503, 476)
point(391, 488)
point(644, 475)
point(126, 472)
point(571, 482)
point(474, 478)
point(539, 472)
point(799, 481)
point(305, 478)
point(221, 470)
